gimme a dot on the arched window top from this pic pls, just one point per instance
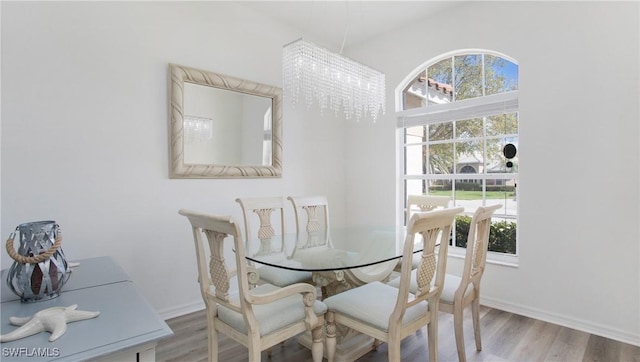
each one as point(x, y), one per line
point(467, 169)
point(457, 76)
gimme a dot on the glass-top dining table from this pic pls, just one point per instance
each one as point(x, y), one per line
point(336, 249)
point(338, 259)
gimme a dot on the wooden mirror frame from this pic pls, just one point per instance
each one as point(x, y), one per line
point(178, 76)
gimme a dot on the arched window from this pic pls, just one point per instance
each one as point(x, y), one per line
point(467, 169)
point(455, 114)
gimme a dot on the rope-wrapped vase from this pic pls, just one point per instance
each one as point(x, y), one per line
point(40, 268)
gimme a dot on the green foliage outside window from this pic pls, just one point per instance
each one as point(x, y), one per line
point(502, 235)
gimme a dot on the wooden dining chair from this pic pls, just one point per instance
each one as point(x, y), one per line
point(258, 213)
point(312, 219)
point(424, 203)
point(461, 291)
point(390, 314)
point(257, 318)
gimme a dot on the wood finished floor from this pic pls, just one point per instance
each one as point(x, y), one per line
point(505, 337)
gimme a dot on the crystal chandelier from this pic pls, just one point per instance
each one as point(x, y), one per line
point(314, 73)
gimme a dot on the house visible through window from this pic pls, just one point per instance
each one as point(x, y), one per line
point(455, 115)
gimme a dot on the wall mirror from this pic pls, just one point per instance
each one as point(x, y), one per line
point(223, 127)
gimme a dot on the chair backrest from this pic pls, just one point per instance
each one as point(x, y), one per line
point(312, 216)
point(435, 228)
point(426, 203)
point(258, 215)
point(477, 244)
point(213, 230)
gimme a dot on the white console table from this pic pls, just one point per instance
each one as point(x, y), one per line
point(127, 328)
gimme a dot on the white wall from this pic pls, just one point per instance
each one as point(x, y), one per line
point(84, 120)
point(578, 188)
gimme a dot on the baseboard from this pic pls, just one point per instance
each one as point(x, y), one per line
point(181, 310)
point(581, 325)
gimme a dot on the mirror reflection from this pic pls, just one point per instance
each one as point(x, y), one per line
point(226, 127)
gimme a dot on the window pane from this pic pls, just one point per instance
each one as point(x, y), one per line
point(415, 160)
point(502, 237)
point(468, 72)
point(470, 128)
point(439, 93)
point(415, 187)
point(427, 187)
point(500, 75)
point(441, 158)
point(468, 193)
point(415, 134)
point(462, 223)
point(440, 188)
point(440, 82)
point(415, 95)
point(469, 157)
point(503, 192)
point(496, 160)
point(441, 131)
point(502, 124)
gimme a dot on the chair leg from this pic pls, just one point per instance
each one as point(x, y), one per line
point(432, 336)
point(394, 350)
point(459, 332)
point(254, 352)
point(316, 347)
point(212, 336)
point(331, 336)
point(475, 312)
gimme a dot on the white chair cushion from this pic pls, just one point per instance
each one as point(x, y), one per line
point(372, 304)
point(272, 316)
point(451, 284)
point(282, 277)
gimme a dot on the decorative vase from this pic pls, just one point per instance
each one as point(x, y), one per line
point(40, 268)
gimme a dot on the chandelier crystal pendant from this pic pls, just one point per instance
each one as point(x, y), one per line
point(334, 81)
point(197, 129)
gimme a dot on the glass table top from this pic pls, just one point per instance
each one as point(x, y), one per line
point(342, 248)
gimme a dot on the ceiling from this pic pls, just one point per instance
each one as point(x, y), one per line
point(332, 23)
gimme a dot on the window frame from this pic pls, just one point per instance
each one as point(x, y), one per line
point(478, 107)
